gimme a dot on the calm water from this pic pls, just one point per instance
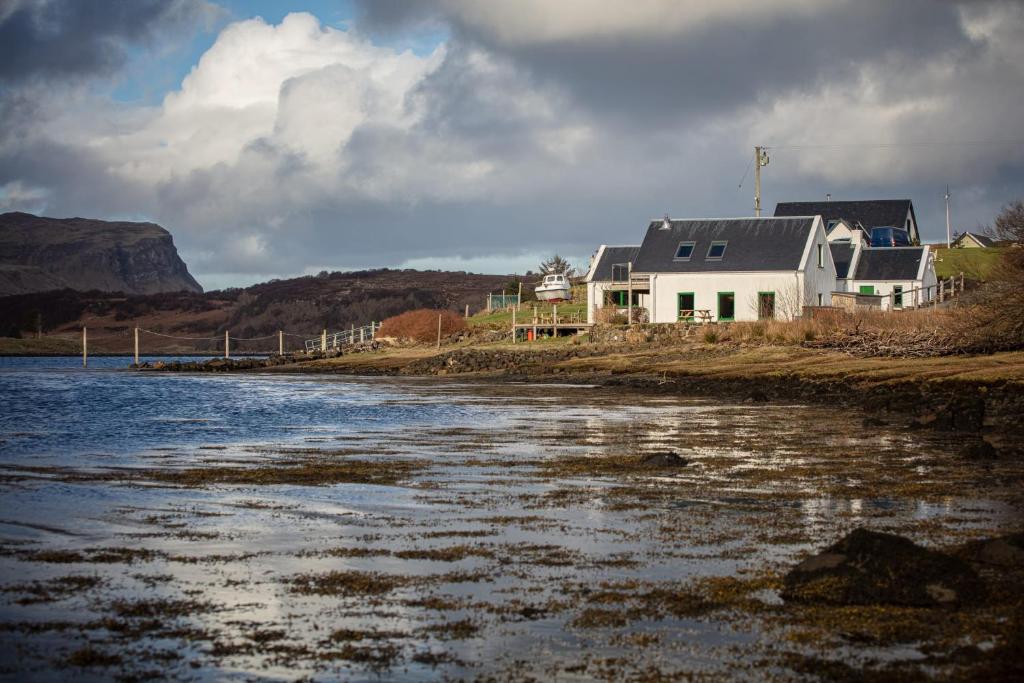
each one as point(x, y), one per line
point(490, 549)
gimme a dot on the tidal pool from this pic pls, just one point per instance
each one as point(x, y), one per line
point(239, 526)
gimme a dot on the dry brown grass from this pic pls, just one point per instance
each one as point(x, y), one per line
point(938, 321)
point(421, 325)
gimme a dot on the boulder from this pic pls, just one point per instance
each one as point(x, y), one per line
point(872, 568)
point(1002, 551)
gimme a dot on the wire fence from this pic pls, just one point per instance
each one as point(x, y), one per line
point(133, 341)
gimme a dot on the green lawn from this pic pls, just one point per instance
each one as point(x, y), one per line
point(566, 309)
point(975, 264)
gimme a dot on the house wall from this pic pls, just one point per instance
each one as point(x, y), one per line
point(787, 286)
point(817, 280)
point(595, 299)
point(885, 288)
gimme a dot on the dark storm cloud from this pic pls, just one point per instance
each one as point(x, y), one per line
point(726, 62)
point(66, 38)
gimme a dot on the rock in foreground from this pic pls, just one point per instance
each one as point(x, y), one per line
point(872, 568)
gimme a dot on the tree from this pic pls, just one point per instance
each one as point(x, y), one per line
point(556, 265)
point(1009, 224)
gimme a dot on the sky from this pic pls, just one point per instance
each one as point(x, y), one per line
point(276, 138)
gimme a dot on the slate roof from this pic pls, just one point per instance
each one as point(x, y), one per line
point(870, 213)
point(754, 244)
point(610, 257)
point(889, 263)
point(982, 239)
point(842, 256)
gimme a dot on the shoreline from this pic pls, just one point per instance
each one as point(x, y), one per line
point(971, 394)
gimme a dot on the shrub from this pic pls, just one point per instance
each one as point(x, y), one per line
point(710, 336)
point(421, 325)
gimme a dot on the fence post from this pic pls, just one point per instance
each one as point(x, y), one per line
point(280, 342)
point(85, 349)
point(629, 293)
point(467, 310)
point(513, 326)
point(323, 341)
point(136, 347)
point(554, 318)
point(942, 290)
point(438, 330)
point(227, 345)
point(961, 282)
point(362, 334)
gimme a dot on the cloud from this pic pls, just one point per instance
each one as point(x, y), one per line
point(50, 38)
point(554, 127)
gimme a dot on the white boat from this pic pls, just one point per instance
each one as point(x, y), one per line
point(554, 288)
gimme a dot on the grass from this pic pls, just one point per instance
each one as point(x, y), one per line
point(43, 346)
point(503, 318)
point(975, 264)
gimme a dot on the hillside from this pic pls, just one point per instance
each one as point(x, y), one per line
point(39, 254)
point(301, 306)
point(975, 264)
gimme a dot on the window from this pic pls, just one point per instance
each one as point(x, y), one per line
point(897, 296)
point(821, 255)
point(620, 272)
point(716, 251)
point(831, 224)
point(622, 298)
point(821, 299)
point(867, 289)
point(766, 305)
point(685, 309)
point(726, 306)
point(684, 251)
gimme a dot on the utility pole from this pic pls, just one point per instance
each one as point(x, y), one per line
point(949, 236)
point(760, 159)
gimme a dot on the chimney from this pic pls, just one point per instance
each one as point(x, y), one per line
point(666, 223)
point(828, 197)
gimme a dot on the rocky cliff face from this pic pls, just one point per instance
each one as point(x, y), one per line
point(39, 254)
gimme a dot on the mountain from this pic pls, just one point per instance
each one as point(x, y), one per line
point(40, 254)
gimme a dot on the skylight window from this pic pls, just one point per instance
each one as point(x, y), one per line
point(716, 251)
point(684, 251)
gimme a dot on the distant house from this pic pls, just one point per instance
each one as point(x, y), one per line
point(866, 214)
point(726, 269)
point(972, 240)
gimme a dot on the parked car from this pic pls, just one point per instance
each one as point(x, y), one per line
point(890, 237)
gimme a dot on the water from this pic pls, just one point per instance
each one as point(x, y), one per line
point(154, 522)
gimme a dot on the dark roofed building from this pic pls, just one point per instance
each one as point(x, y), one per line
point(970, 240)
point(604, 270)
point(894, 263)
point(870, 213)
point(716, 269)
point(746, 244)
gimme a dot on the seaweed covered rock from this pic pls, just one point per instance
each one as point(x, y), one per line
point(872, 568)
point(665, 459)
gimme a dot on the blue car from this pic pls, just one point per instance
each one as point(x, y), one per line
point(890, 237)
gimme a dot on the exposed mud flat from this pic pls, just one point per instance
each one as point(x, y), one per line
point(503, 532)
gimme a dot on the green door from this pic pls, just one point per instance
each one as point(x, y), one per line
point(867, 289)
point(685, 309)
point(726, 306)
point(766, 305)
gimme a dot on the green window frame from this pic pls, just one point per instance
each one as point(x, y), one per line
point(680, 308)
point(731, 305)
point(760, 306)
point(897, 296)
point(867, 289)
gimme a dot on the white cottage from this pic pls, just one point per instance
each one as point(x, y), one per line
point(718, 269)
point(904, 277)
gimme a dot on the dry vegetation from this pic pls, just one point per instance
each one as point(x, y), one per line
point(422, 325)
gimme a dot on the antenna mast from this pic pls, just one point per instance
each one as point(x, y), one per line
point(760, 159)
point(949, 238)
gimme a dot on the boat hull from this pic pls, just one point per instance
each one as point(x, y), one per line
point(553, 293)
